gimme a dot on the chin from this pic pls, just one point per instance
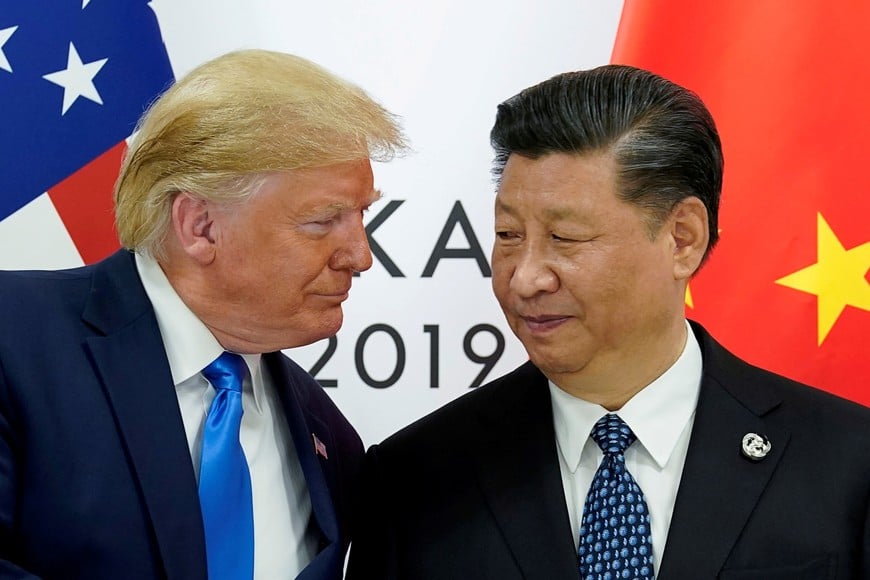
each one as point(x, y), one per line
point(552, 364)
point(300, 341)
point(298, 337)
point(334, 323)
point(328, 327)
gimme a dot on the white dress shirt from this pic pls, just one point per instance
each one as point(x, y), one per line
point(661, 416)
point(283, 543)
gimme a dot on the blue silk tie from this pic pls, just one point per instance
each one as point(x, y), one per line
point(224, 480)
point(615, 540)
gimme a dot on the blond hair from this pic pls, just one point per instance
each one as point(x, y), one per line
point(224, 127)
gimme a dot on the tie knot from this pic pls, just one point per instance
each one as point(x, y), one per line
point(226, 372)
point(612, 434)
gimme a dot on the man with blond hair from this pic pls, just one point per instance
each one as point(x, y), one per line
point(149, 425)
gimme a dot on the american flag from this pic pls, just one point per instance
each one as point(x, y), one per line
point(319, 447)
point(75, 75)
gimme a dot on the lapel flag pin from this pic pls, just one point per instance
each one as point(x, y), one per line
point(755, 446)
point(319, 447)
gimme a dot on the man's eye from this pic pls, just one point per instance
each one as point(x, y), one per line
point(506, 235)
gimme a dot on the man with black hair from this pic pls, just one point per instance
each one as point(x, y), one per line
point(632, 444)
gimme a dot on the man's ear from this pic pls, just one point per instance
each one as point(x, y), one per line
point(193, 224)
point(690, 231)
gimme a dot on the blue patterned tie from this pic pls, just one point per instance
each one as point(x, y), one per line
point(615, 541)
point(224, 479)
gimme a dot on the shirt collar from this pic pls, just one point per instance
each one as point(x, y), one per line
point(190, 346)
point(657, 414)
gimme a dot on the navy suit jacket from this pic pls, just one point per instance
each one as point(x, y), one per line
point(96, 479)
point(474, 490)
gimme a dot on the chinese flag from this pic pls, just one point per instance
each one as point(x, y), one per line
point(787, 82)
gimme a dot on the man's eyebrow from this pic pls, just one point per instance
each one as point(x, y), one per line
point(340, 206)
point(500, 204)
point(561, 213)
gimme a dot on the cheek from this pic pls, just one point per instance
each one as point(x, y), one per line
point(503, 263)
point(303, 263)
point(651, 272)
point(501, 278)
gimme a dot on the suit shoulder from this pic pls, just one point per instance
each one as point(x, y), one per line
point(36, 301)
point(761, 390)
point(502, 394)
point(34, 285)
point(315, 398)
point(803, 405)
point(822, 407)
point(804, 394)
point(304, 382)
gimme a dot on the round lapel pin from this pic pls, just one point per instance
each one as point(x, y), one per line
point(755, 446)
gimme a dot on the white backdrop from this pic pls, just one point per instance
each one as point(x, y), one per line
point(443, 67)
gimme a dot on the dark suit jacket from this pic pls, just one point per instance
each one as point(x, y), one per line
point(474, 489)
point(96, 479)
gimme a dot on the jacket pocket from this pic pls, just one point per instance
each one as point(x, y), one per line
point(822, 568)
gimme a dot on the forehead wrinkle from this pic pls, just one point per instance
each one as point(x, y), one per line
point(548, 213)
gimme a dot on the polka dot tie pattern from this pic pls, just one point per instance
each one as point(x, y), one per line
point(615, 541)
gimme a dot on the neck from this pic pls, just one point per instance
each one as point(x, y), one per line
point(231, 331)
point(613, 384)
point(236, 343)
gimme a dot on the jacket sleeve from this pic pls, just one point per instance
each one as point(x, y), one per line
point(8, 491)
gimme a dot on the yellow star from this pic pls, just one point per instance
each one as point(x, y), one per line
point(837, 278)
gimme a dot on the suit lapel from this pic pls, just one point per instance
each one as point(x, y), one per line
point(518, 471)
point(719, 486)
point(131, 363)
point(309, 432)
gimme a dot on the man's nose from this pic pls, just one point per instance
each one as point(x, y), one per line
point(533, 274)
point(354, 253)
